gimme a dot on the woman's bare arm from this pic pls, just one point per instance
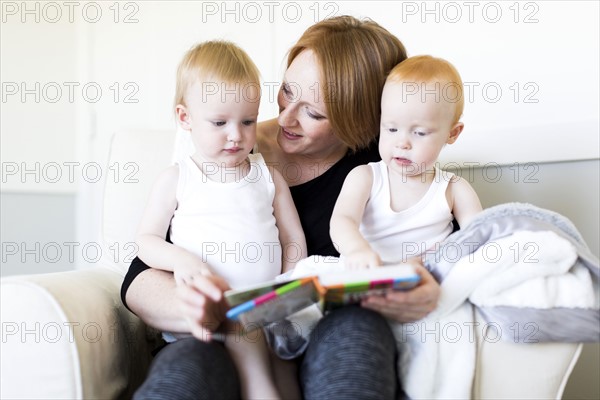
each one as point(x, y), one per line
point(152, 297)
point(197, 307)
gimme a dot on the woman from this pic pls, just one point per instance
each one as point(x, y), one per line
point(328, 123)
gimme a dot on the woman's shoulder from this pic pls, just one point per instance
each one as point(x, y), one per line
point(266, 143)
point(266, 136)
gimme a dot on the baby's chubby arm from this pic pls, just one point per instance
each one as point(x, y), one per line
point(291, 235)
point(463, 201)
point(199, 294)
point(153, 249)
point(346, 217)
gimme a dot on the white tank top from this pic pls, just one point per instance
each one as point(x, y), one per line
point(397, 236)
point(231, 226)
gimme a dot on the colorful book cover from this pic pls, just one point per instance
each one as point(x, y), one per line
point(272, 302)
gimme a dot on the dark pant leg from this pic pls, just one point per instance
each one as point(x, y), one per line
point(191, 369)
point(351, 355)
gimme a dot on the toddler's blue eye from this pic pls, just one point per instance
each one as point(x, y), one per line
point(393, 130)
point(248, 123)
point(219, 123)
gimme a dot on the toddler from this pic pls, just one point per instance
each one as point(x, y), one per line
point(228, 214)
point(403, 205)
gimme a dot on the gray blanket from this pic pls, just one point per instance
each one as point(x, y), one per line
point(563, 324)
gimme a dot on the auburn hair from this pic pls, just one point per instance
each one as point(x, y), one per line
point(355, 57)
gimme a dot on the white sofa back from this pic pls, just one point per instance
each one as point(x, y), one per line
point(141, 155)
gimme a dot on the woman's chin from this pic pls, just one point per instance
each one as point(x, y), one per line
point(289, 145)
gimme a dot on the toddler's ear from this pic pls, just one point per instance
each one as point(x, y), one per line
point(455, 132)
point(183, 117)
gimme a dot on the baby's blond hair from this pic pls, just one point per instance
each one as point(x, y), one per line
point(428, 69)
point(217, 60)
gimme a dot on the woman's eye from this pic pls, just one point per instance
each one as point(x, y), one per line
point(314, 116)
point(286, 91)
point(393, 130)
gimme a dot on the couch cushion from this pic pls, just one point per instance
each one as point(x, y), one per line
point(27, 332)
point(68, 336)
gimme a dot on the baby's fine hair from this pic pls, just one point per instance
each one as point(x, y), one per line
point(216, 60)
point(427, 69)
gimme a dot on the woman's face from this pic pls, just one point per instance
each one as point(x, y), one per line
point(305, 127)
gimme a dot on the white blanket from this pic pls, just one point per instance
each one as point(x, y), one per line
point(526, 270)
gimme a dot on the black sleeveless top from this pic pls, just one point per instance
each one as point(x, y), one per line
point(316, 198)
point(314, 201)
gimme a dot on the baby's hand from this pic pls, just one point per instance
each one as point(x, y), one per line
point(200, 294)
point(362, 259)
point(202, 304)
point(184, 273)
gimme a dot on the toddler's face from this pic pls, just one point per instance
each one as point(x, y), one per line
point(222, 120)
point(416, 123)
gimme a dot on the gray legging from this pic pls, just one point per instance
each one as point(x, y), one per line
point(352, 354)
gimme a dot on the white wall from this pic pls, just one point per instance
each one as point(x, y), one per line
point(530, 79)
point(39, 135)
point(531, 70)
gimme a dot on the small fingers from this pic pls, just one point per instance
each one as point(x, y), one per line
point(362, 262)
point(210, 286)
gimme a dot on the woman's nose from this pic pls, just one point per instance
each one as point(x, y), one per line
point(287, 114)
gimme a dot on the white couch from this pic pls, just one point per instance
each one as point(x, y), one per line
point(67, 335)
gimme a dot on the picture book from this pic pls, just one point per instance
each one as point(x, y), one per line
point(272, 301)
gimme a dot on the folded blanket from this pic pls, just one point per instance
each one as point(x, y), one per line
point(526, 270)
point(562, 277)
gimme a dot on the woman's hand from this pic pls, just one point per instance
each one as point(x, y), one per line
point(408, 306)
point(201, 303)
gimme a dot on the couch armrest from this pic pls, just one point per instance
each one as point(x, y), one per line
point(67, 335)
point(507, 370)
